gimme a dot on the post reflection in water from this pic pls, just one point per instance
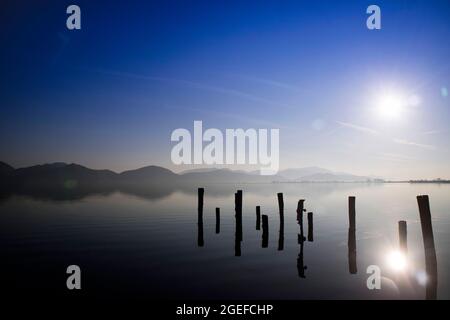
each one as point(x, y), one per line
point(238, 237)
point(300, 263)
point(281, 236)
point(301, 239)
point(352, 266)
point(281, 231)
point(238, 216)
point(310, 227)
point(265, 233)
point(200, 240)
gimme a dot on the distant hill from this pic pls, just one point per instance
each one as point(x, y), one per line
point(148, 174)
point(199, 170)
point(5, 169)
point(298, 173)
point(333, 177)
point(61, 174)
point(69, 176)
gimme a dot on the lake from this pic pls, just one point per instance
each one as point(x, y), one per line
point(146, 244)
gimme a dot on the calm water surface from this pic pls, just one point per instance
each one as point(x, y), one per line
point(146, 245)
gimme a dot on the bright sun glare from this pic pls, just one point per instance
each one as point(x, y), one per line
point(397, 260)
point(391, 106)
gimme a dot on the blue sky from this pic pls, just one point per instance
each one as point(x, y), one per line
point(109, 95)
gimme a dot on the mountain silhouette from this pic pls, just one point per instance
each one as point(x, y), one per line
point(70, 176)
point(62, 181)
point(298, 173)
point(332, 177)
point(149, 174)
point(61, 174)
point(5, 169)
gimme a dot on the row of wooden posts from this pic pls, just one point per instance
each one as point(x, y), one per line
point(425, 221)
point(260, 220)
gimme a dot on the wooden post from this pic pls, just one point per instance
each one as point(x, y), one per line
point(402, 234)
point(265, 233)
point(300, 239)
point(280, 203)
point(238, 216)
point(351, 212)
point(200, 240)
point(300, 210)
point(310, 227)
point(281, 212)
point(258, 217)
point(352, 266)
point(201, 192)
point(217, 220)
point(238, 202)
point(428, 243)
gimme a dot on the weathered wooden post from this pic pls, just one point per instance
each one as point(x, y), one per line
point(238, 202)
point(428, 243)
point(265, 233)
point(238, 216)
point(281, 212)
point(300, 239)
point(201, 192)
point(310, 227)
point(300, 210)
point(351, 212)
point(402, 235)
point(352, 265)
point(200, 240)
point(280, 203)
point(217, 220)
point(258, 217)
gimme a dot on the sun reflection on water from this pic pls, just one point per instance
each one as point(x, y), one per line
point(397, 260)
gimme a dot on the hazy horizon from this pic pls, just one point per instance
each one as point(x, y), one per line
point(190, 168)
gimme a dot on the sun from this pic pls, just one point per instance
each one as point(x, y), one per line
point(391, 105)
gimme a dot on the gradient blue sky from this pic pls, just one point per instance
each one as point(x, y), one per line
point(110, 94)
